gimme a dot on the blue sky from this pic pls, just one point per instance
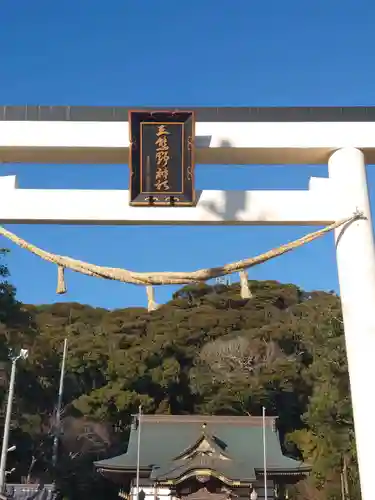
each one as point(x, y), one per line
point(240, 53)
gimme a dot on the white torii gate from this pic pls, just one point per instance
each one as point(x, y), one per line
point(342, 137)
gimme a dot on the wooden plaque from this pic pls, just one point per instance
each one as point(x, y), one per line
point(161, 158)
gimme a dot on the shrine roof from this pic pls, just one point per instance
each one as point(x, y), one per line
point(168, 441)
point(203, 114)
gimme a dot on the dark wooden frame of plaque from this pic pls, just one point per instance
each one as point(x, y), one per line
point(182, 192)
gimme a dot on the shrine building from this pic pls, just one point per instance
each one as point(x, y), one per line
point(195, 457)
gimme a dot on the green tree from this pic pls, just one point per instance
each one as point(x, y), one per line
point(206, 351)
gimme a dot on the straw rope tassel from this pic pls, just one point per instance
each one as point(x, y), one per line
point(151, 304)
point(61, 285)
point(245, 289)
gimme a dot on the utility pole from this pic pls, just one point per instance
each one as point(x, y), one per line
point(138, 450)
point(57, 423)
point(8, 417)
point(264, 451)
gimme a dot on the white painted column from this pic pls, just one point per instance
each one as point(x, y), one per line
point(356, 269)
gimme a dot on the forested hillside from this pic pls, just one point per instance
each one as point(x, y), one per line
point(206, 351)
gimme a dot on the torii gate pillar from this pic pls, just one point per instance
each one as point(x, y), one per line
point(356, 270)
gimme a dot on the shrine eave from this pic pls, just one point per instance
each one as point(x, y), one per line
point(303, 470)
point(243, 478)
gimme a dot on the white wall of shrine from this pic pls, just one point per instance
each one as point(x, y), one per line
point(346, 147)
point(152, 493)
point(161, 493)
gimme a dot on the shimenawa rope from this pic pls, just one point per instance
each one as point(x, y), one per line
point(169, 278)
